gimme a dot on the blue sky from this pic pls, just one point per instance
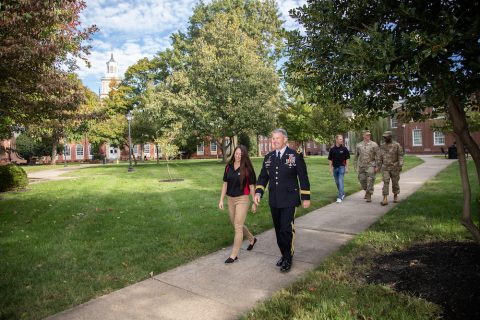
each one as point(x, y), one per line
point(133, 29)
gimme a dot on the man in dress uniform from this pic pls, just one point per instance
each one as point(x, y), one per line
point(366, 159)
point(391, 163)
point(284, 168)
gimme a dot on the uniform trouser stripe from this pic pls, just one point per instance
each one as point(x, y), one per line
point(292, 245)
point(283, 221)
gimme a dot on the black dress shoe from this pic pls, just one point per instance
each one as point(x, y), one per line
point(286, 265)
point(250, 246)
point(280, 262)
point(230, 260)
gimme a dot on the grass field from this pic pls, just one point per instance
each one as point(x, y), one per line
point(63, 243)
point(335, 291)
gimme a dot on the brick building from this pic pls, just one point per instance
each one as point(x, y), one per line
point(420, 138)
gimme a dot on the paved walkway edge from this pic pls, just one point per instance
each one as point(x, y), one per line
point(56, 173)
point(208, 289)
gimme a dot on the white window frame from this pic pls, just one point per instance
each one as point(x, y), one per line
point(417, 144)
point(89, 149)
point(213, 147)
point(146, 148)
point(393, 122)
point(438, 135)
point(79, 150)
point(135, 149)
point(201, 148)
point(67, 150)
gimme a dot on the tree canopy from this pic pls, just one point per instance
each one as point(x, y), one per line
point(39, 44)
point(366, 55)
point(219, 79)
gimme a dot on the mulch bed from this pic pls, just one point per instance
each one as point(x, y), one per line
point(445, 273)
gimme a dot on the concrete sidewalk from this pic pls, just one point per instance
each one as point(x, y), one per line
point(55, 174)
point(209, 289)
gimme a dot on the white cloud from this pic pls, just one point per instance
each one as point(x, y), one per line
point(284, 7)
point(140, 28)
point(139, 16)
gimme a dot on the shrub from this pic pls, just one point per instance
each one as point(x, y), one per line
point(12, 177)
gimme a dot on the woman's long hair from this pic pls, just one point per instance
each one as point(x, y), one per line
point(246, 167)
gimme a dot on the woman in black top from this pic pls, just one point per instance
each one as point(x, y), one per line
point(239, 181)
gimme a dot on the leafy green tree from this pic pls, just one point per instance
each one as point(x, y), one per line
point(29, 146)
point(258, 19)
point(366, 55)
point(240, 91)
point(40, 42)
point(141, 75)
point(26, 147)
point(170, 113)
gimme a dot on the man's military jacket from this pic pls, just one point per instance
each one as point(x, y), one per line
point(367, 155)
point(391, 156)
point(284, 175)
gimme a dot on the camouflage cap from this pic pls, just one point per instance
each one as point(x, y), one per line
point(366, 132)
point(387, 134)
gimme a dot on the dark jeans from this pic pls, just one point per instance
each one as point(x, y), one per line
point(283, 221)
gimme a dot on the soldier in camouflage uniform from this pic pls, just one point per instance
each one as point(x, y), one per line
point(366, 158)
point(391, 163)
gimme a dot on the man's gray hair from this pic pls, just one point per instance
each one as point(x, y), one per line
point(282, 131)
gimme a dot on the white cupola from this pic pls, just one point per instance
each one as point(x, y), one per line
point(112, 67)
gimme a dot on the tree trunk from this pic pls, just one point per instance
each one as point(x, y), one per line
point(53, 160)
point(234, 139)
point(168, 168)
point(158, 160)
point(12, 147)
point(460, 128)
point(467, 193)
point(224, 150)
point(259, 150)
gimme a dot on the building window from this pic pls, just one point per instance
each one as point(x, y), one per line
point(79, 150)
point(67, 150)
point(201, 148)
point(438, 138)
point(417, 137)
point(135, 149)
point(146, 148)
point(213, 147)
point(393, 122)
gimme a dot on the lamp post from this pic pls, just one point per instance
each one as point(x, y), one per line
point(129, 119)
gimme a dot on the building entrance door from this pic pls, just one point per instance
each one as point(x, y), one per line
point(113, 153)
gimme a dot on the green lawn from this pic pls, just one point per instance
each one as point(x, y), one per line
point(63, 243)
point(335, 291)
